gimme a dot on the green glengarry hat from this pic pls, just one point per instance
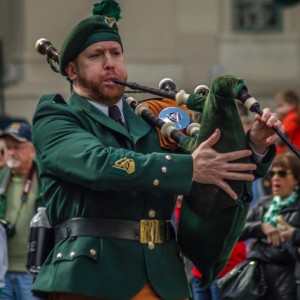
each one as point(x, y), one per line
point(97, 28)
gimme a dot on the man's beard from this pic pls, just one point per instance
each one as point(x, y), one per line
point(13, 163)
point(95, 93)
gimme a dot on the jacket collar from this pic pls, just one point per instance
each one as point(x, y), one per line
point(136, 125)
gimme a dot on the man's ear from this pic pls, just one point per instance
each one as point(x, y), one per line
point(71, 70)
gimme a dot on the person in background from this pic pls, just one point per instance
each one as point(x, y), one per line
point(3, 157)
point(18, 204)
point(287, 110)
point(291, 233)
point(277, 256)
point(3, 154)
point(3, 256)
point(108, 185)
point(4, 171)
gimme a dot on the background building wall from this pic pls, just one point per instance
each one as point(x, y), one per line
point(189, 41)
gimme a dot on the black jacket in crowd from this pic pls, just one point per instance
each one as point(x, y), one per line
point(278, 262)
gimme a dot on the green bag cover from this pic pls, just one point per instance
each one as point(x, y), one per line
point(210, 221)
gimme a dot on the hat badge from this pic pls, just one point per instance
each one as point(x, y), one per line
point(15, 126)
point(110, 21)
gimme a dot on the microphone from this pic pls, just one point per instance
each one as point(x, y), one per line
point(45, 47)
point(168, 85)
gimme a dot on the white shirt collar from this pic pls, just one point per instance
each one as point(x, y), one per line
point(104, 108)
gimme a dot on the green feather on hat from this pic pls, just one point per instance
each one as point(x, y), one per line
point(101, 26)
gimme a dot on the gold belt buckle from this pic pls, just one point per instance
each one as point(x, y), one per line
point(152, 231)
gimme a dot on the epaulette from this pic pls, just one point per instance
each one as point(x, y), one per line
point(57, 98)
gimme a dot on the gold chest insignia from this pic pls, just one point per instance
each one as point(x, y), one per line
point(110, 21)
point(125, 164)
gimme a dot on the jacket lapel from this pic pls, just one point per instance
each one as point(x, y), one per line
point(137, 127)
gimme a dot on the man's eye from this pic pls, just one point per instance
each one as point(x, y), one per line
point(96, 55)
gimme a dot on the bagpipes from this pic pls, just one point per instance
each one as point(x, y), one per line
point(210, 221)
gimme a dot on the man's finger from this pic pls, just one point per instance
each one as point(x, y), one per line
point(229, 156)
point(275, 240)
point(266, 114)
point(238, 176)
point(212, 140)
point(241, 167)
point(227, 189)
point(272, 139)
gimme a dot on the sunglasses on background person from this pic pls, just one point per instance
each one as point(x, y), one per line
point(280, 173)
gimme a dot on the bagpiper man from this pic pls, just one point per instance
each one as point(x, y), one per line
point(109, 187)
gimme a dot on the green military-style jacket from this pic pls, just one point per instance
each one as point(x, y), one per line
point(92, 167)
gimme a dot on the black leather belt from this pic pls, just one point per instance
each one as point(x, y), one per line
point(144, 231)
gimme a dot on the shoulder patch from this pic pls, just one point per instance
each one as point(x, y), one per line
point(122, 166)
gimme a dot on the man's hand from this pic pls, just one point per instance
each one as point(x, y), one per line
point(262, 134)
point(211, 167)
point(272, 233)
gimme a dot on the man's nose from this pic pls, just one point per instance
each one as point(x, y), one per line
point(109, 62)
point(11, 151)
